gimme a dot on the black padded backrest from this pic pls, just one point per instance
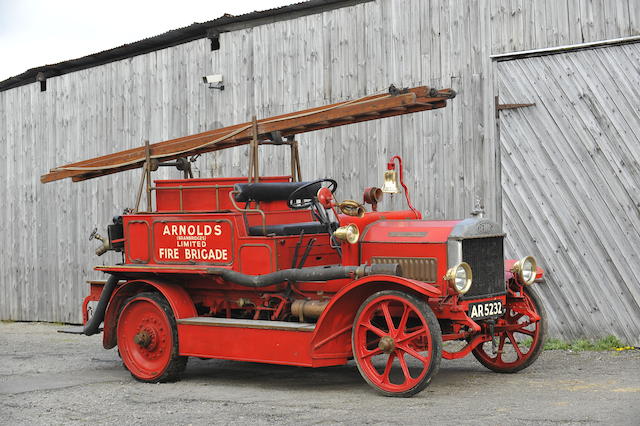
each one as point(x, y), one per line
point(272, 191)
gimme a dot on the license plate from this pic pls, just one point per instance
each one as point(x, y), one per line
point(491, 308)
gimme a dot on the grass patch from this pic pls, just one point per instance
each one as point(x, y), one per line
point(526, 342)
point(608, 343)
point(6, 321)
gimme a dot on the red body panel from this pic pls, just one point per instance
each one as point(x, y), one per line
point(406, 232)
point(250, 344)
point(199, 195)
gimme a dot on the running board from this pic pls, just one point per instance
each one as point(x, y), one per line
point(247, 323)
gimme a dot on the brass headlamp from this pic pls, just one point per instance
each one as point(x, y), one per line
point(460, 277)
point(525, 270)
point(349, 233)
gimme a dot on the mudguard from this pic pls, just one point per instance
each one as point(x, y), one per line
point(332, 335)
point(178, 299)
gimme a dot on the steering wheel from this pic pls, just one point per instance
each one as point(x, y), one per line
point(296, 203)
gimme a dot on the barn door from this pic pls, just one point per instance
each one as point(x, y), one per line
point(571, 183)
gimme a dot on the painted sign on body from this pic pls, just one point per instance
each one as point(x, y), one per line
point(193, 242)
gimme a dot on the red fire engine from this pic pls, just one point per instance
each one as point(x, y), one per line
point(277, 270)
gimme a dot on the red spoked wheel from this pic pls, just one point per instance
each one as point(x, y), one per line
point(148, 339)
point(520, 337)
point(397, 343)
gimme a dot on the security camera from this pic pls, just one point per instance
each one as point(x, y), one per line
point(214, 81)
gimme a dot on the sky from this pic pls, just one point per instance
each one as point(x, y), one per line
point(41, 32)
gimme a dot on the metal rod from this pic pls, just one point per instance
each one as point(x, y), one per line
point(306, 252)
point(140, 186)
point(254, 151)
point(294, 261)
point(160, 188)
point(293, 162)
point(295, 144)
point(237, 207)
point(147, 152)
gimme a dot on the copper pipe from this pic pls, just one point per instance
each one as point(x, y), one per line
point(308, 309)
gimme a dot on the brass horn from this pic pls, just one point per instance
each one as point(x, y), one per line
point(352, 208)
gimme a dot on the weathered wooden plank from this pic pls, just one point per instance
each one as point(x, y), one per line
point(587, 199)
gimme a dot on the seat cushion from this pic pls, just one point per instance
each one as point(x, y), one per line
point(272, 191)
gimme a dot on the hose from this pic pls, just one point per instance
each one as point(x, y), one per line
point(314, 273)
point(92, 326)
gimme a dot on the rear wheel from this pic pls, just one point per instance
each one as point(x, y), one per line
point(148, 339)
point(520, 339)
point(397, 343)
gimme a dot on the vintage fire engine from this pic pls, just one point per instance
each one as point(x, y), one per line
point(277, 270)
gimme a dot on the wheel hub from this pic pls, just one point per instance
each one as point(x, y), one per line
point(142, 339)
point(387, 344)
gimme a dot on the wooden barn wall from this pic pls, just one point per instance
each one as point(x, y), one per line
point(571, 179)
point(451, 155)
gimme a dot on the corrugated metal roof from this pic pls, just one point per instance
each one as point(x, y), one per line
point(198, 30)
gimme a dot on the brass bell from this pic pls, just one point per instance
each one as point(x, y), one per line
point(390, 185)
point(349, 233)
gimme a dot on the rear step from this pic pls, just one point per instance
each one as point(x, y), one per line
point(248, 323)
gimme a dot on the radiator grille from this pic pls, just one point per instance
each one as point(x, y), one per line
point(486, 258)
point(417, 268)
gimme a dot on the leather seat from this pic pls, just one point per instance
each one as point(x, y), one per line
point(272, 191)
point(279, 191)
point(288, 229)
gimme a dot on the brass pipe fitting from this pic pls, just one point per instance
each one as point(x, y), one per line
point(309, 309)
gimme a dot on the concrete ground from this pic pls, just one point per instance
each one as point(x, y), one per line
point(52, 378)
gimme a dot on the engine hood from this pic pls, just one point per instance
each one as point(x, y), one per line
point(429, 231)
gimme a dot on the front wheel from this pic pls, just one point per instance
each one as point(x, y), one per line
point(397, 343)
point(148, 339)
point(520, 338)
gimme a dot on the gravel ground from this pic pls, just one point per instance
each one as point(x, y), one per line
point(52, 378)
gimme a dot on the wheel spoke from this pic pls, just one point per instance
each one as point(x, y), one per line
point(516, 327)
point(515, 344)
point(403, 320)
point(411, 336)
point(405, 368)
point(387, 369)
point(516, 317)
point(373, 329)
point(387, 316)
point(500, 347)
point(413, 353)
point(376, 351)
point(525, 331)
